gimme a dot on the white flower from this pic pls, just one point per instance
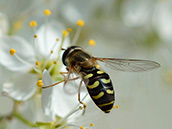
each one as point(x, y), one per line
point(22, 84)
point(60, 106)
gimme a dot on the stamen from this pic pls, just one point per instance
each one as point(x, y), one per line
point(69, 29)
point(91, 124)
point(80, 23)
point(117, 106)
point(117, 128)
point(57, 39)
point(35, 36)
point(72, 112)
point(47, 12)
point(113, 107)
point(65, 33)
point(12, 51)
point(54, 62)
point(80, 107)
point(37, 63)
point(33, 23)
point(39, 83)
point(51, 51)
point(51, 67)
point(92, 42)
point(81, 127)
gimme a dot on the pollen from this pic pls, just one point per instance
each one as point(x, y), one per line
point(80, 108)
point(80, 23)
point(39, 83)
point(54, 62)
point(57, 39)
point(69, 29)
point(113, 107)
point(52, 51)
point(81, 127)
point(91, 124)
point(12, 51)
point(65, 33)
point(92, 42)
point(117, 128)
point(47, 12)
point(33, 24)
point(35, 36)
point(37, 62)
point(117, 106)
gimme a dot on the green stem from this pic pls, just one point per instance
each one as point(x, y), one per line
point(23, 120)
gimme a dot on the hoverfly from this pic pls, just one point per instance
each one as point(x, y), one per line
point(98, 82)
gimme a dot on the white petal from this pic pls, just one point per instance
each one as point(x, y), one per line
point(23, 50)
point(4, 25)
point(55, 101)
point(47, 36)
point(21, 87)
point(4, 76)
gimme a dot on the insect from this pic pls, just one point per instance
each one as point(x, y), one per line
point(98, 82)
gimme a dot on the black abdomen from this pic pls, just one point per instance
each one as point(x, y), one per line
point(100, 88)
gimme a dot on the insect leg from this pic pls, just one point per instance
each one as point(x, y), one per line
point(53, 84)
point(79, 98)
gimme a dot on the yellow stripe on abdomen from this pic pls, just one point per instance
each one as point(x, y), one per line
point(109, 91)
point(106, 104)
point(88, 76)
point(99, 95)
point(105, 81)
point(96, 84)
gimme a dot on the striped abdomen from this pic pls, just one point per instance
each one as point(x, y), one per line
point(100, 88)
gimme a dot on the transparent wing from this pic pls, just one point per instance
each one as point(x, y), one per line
point(130, 65)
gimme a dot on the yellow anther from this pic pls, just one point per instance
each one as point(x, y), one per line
point(33, 24)
point(81, 127)
point(12, 51)
point(69, 29)
point(91, 42)
point(37, 63)
point(39, 83)
point(47, 12)
point(91, 124)
point(52, 51)
point(113, 107)
point(117, 106)
point(117, 128)
point(54, 62)
point(57, 39)
point(80, 23)
point(65, 33)
point(35, 36)
point(80, 107)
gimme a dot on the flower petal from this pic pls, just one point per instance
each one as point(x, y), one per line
point(4, 76)
point(47, 36)
point(55, 101)
point(23, 50)
point(21, 87)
